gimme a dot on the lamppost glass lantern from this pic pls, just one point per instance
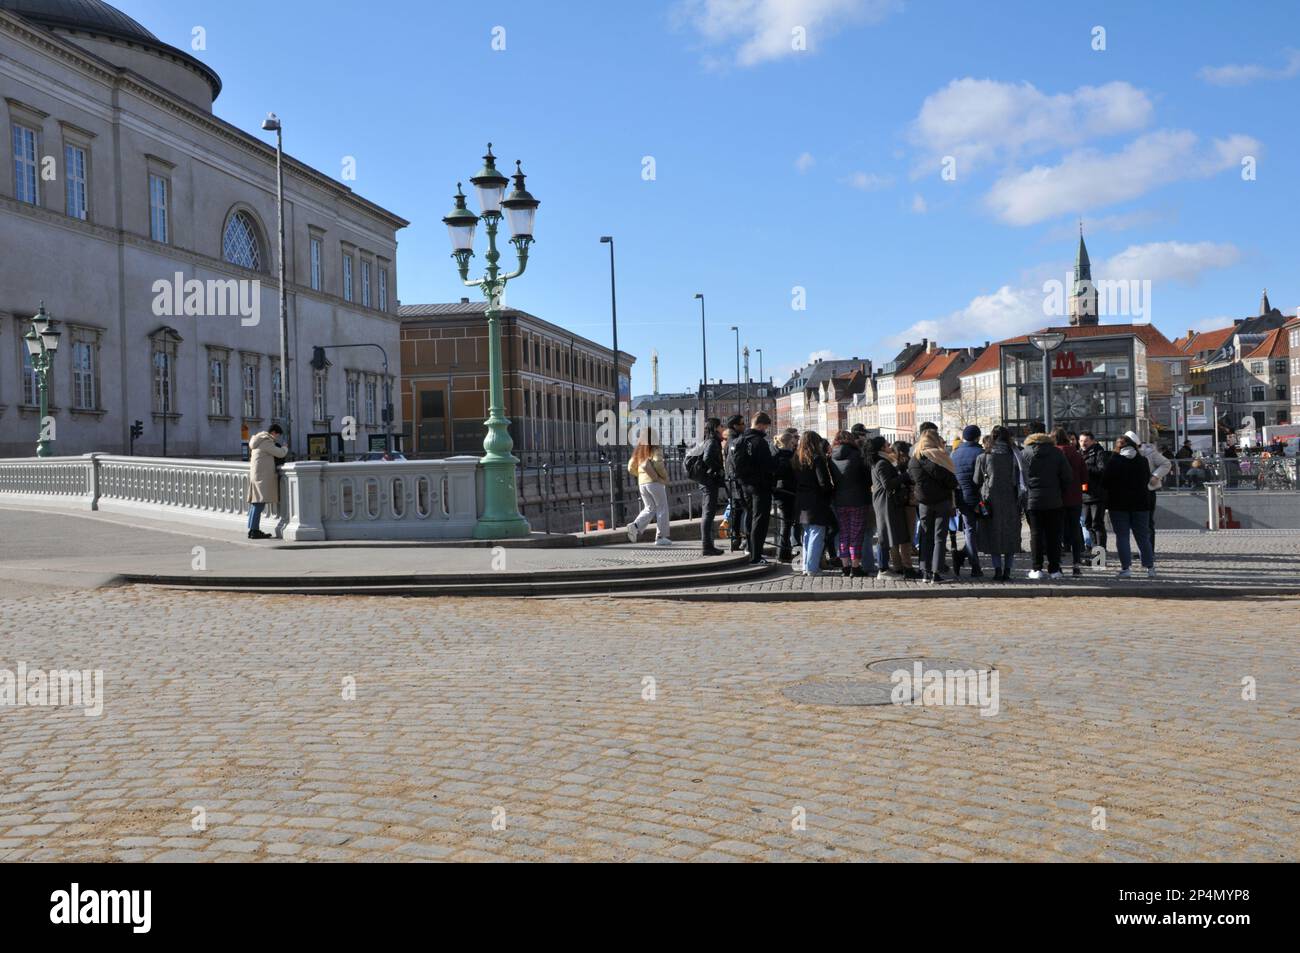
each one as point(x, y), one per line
point(521, 208)
point(490, 185)
point(461, 222)
point(50, 338)
point(33, 341)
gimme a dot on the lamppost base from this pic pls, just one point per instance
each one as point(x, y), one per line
point(510, 527)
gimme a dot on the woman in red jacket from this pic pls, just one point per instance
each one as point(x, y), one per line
point(1072, 499)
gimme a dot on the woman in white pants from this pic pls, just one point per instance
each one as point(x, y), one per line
point(647, 465)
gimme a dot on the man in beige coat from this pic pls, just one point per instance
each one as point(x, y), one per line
point(263, 481)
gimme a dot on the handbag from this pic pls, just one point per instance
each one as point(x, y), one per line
point(982, 510)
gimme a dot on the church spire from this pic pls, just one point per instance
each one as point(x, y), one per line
point(1082, 266)
point(1264, 307)
point(1083, 301)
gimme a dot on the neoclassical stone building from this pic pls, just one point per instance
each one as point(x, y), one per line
point(120, 184)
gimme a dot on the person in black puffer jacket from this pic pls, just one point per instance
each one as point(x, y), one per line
point(1128, 497)
point(852, 499)
point(1047, 478)
point(1094, 497)
point(935, 476)
point(783, 494)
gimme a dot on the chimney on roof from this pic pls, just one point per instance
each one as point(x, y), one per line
point(464, 300)
point(1190, 334)
point(931, 347)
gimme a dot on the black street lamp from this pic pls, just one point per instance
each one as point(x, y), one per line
point(1047, 342)
point(618, 423)
point(704, 356)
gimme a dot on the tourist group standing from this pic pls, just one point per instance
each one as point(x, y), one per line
point(860, 506)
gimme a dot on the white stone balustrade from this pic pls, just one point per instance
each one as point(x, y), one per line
point(412, 499)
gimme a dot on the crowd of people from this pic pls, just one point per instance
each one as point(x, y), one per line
point(860, 505)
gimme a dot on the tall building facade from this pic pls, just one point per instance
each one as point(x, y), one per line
point(147, 227)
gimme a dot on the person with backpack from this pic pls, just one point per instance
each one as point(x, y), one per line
point(1072, 500)
point(753, 466)
point(997, 477)
point(736, 503)
point(783, 494)
point(704, 465)
point(647, 465)
point(813, 492)
point(935, 478)
point(1047, 477)
point(851, 500)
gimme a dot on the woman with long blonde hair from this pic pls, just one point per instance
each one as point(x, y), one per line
point(647, 465)
point(813, 490)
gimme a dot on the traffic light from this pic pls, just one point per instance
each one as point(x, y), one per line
point(137, 430)
point(318, 361)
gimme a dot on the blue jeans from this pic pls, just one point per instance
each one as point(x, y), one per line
point(1139, 523)
point(255, 517)
point(814, 540)
point(1002, 562)
point(970, 530)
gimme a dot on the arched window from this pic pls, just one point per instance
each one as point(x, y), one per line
point(240, 244)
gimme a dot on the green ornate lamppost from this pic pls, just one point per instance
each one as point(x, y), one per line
point(501, 518)
point(42, 342)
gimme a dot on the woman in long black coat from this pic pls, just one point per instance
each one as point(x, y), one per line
point(887, 490)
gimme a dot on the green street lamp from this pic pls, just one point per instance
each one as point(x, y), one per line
point(501, 518)
point(42, 342)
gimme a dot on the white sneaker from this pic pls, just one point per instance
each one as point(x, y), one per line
point(663, 541)
point(1125, 574)
point(1055, 575)
point(633, 534)
point(1036, 574)
point(1151, 573)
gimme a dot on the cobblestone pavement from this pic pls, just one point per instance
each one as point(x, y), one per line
point(535, 716)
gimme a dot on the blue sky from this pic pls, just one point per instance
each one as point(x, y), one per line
point(778, 168)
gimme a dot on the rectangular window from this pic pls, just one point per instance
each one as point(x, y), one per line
point(1279, 367)
point(365, 284)
point(249, 375)
point(84, 396)
point(26, 182)
point(315, 264)
point(74, 176)
point(162, 381)
point(1257, 393)
point(1257, 367)
point(31, 393)
point(347, 277)
point(383, 289)
point(158, 224)
point(372, 398)
point(216, 387)
point(353, 388)
point(318, 395)
point(277, 404)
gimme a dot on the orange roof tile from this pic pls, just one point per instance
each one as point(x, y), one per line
point(1273, 345)
point(935, 369)
point(1208, 340)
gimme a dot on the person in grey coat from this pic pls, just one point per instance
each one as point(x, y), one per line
point(997, 477)
point(892, 524)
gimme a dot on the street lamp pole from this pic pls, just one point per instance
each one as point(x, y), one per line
point(501, 518)
point(42, 342)
point(704, 355)
point(272, 123)
point(618, 416)
point(737, 330)
point(1047, 342)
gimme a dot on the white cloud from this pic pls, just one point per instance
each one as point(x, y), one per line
point(1241, 75)
point(1088, 179)
point(982, 120)
point(1169, 261)
point(919, 205)
point(869, 181)
point(1004, 313)
point(805, 162)
point(763, 30)
point(1120, 222)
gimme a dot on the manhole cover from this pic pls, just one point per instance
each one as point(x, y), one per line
point(840, 693)
point(928, 663)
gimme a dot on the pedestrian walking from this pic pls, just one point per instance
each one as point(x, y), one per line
point(851, 500)
point(704, 465)
point(753, 469)
point(935, 479)
point(1072, 501)
point(997, 476)
point(889, 498)
point(813, 491)
point(647, 465)
point(964, 458)
point(1128, 497)
point(1047, 476)
point(1094, 490)
point(263, 480)
point(1160, 465)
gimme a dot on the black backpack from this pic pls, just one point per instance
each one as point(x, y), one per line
point(742, 461)
point(695, 461)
